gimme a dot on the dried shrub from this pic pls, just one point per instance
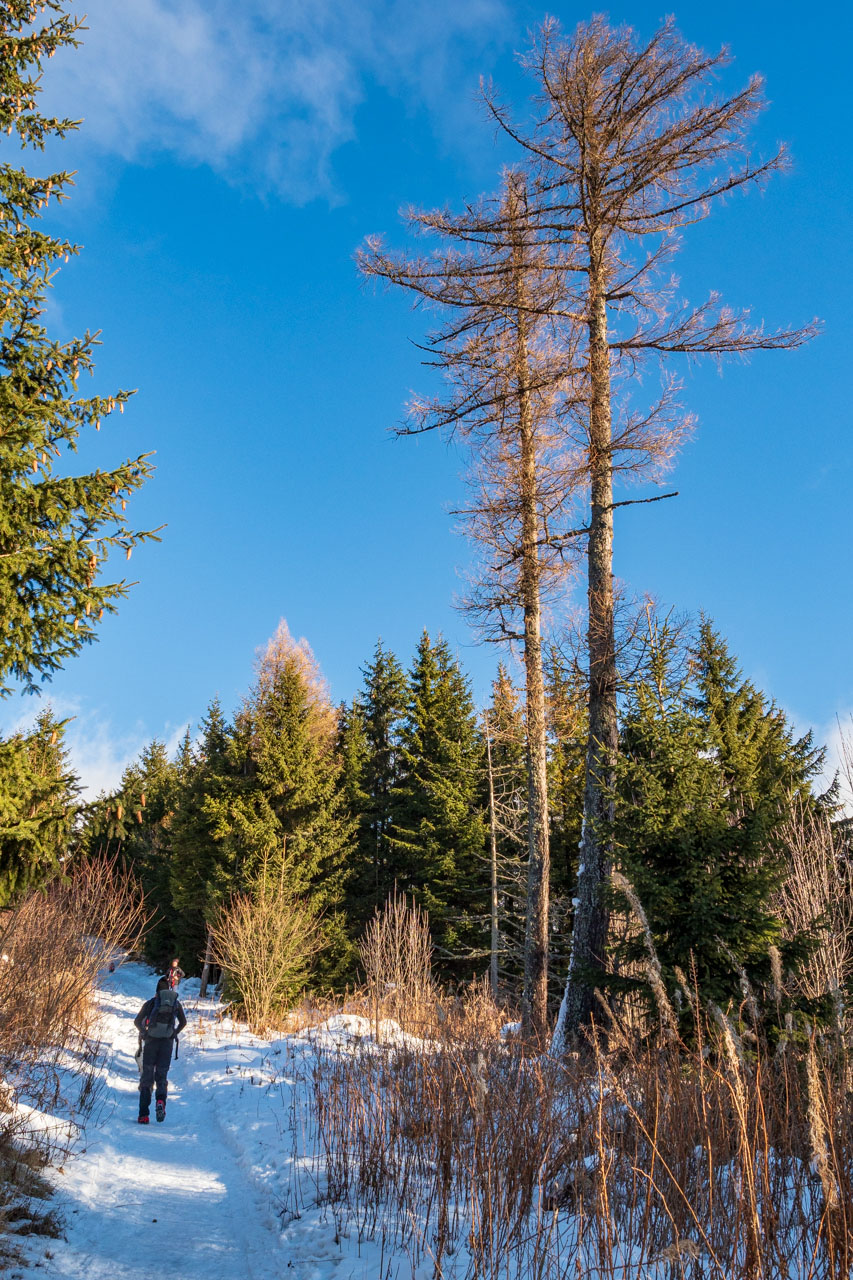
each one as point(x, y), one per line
point(264, 943)
point(817, 898)
point(396, 952)
point(52, 946)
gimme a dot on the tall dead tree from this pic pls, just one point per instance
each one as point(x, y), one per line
point(633, 144)
point(507, 381)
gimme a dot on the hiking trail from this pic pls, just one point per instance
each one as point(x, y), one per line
point(174, 1199)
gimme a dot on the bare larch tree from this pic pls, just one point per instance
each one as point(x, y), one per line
point(632, 144)
point(508, 387)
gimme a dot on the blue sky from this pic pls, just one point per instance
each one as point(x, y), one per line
point(232, 159)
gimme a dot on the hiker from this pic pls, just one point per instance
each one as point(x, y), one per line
point(175, 973)
point(159, 1022)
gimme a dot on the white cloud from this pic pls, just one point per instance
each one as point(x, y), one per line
point(264, 88)
point(837, 736)
point(97, 754)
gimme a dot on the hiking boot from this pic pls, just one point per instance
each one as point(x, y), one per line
point(142, 1120)
point(160, 1111)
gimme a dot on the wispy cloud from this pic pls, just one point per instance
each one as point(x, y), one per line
point(266, 88)
point(838, 738)
point(97, 753)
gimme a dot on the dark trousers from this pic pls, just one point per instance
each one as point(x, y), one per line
point(156, 1057)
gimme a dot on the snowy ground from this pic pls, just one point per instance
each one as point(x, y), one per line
point(232, 1186)
point(223, 1189)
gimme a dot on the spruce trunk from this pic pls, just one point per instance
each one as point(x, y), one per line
point(589, 937)
point(493, 863)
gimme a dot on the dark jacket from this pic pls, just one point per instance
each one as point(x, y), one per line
point(141, 1019)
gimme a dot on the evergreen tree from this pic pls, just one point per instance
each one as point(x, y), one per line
point(184, 759)
point(55, 530)
point(705, 771)
point(439, 829)
point(284, 822)
point(353, 751)
point(135, 822)
point(764, 763)
point(510, 789)
point(372, 756)
point(38, 807)
point(202, 872)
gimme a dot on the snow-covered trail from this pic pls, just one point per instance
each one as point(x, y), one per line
point(174, 1199)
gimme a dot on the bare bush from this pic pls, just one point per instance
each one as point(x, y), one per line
point(396, 951)
point(52, 946)
point(264, 943)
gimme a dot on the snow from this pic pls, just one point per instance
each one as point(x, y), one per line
point(211, 1193)
point(177, 1198)
point(233, 1185)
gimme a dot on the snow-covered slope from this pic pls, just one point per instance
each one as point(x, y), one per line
point(220, 1191)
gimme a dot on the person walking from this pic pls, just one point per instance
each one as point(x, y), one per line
point(159, 1022)
point(175, 973)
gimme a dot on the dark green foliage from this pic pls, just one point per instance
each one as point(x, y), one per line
point(509, 765)
point(353, 750)
point(202, 869)
point(763, 762)
point(438, 836)
point(150, 792)
point(56, 530)
point(136, 822)
point(371, 746)
point(38, 806)
point(707, 768)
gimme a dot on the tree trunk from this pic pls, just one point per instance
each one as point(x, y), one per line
point(535, 997)
point(591, 920)
point(493, 863)
point(208, 960)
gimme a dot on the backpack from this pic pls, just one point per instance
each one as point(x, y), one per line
point(164, 1012)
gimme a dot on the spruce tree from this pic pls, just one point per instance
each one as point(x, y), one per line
point(764, 763)
point(202, 869)
point(566, 696)
point(56, 529)
point(373, 770)
point(353, 751)
point(135, 822)
point(38, 807)
point(707, 768)
point(510, 790)
point(285, 821)
point(439, 830)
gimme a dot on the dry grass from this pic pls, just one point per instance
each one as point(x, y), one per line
point(639, 1158)
point(817, 896)
point(716, 1163)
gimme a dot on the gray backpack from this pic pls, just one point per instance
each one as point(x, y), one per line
point(163, 1015)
